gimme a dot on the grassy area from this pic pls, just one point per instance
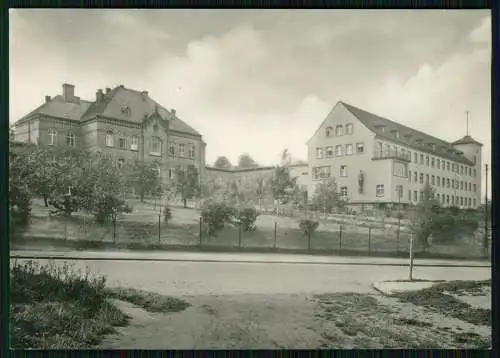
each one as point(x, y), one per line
point(434, 298)
point(57, 308)
point(150, 301)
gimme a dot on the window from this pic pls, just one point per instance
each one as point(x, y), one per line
point(328, 131)
point(319, 153)
point(109, 139)
point(474, 202)
point(470, 172)
point(343, 170)
point(348, 149)
point(470, 202)
point(421, 178)
point(447, 199)
point(448, 166)
point(156, 145)
point(343, 191)
point(474, 187)
point(414, 157)
point(415, 195)
point(360, 148)
point(52, 136)
point(438, 163)
point(409, 176)
point(453, 200)
point(474, 159)
point(329, 152)
point(415, 177)
point(433, 162)
point(421, 159)
point(399, 190)
point(427, 160)
point(121, 142)
point(348, 129)
point(380, 190)
point(453, 167)
point(409, 195)
point(121, 163)
point(433, 180)
point(474, 173)
point(443, 183)
point(321, 172)
point(70, 139)
point(461, 170)
point(461, 201)
point(453, 183)
point(172, 148)
point(438, 181)
point(399, 169)
point(448, 182)
point(191, 151)
point(470, 186)
point(134, 145)
point(421, 195)
point(338, 151)
point(182, 149)
point(339, 130)
point(426, 178)
point(461, 185)
point(438, 197)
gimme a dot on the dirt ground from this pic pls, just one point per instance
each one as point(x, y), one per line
point(280, 321)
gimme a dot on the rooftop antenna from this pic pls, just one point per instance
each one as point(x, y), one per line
point(467, 114)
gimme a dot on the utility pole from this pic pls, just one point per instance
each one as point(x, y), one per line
point(485, 242)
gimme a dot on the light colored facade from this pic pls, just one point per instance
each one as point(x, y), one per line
point(375, 160)
point(125, 123)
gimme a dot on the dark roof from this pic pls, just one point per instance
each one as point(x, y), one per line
point(110, 106)
point(467, 140)
point(407, 136)
point(238, 170)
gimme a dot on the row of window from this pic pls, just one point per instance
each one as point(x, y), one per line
point(429, 161)
point(441, 181)
point(339, 130)
point(340, 150)
point(325, 172)
point(444, 199)
point(156, 143)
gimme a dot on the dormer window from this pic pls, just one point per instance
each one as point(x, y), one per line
point(125, 110)
point(395, 133)
point(407, 135)
point(339, 131)
point(328, 131)
point(380, 128)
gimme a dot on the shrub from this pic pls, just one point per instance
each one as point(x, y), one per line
point(108, 207)
point(308, 226)
point(167, 214)
point(247, 218)
point(215, 215)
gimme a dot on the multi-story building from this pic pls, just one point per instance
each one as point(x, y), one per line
point(125, 123)
point(376, 160)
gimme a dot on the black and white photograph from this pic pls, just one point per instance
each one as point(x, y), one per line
point(250, 179)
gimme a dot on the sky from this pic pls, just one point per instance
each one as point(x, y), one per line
point(260, 81)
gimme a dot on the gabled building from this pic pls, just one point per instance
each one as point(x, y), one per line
point(125, 123)
point(376, 160)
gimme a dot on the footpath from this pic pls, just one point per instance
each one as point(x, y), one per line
point(238, 258)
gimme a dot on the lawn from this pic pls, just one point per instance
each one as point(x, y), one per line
point(56, 307)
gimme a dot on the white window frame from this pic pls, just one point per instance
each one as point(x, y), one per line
point(109, 138)
point(328, 132)
point(122, 139)
point(380, 191)
point(156, 142)
point(343, 170)
point(349, 129)
point(182, 149)
point(339, 130)
point(52, 136)
point(347, 151)
point(121, 163)
point(191, 151)
point(134, 143)
point(360, 145)
point(70, 139)
point(319, 153)
point(343, 192)
point(338, 150)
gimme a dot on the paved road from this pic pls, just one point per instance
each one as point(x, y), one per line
point(181, 278)
point(241, 258)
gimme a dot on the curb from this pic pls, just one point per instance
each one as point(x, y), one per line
point(80, 258)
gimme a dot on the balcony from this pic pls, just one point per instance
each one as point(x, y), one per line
point(391, 154)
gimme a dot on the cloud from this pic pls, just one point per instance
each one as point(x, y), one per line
point(482, 33)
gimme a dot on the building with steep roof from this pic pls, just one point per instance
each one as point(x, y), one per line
point(376, 160)
point(125, 123)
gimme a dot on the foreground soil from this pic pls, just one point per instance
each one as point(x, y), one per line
point(329, 321)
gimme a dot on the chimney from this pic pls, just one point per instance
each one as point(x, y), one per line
point(108, 90)
point(68, 92)
point(144, 95)
point(47, 99)
point(99, 96)
point(172, 113)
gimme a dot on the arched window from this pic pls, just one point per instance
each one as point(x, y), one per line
point(70, 139)
point(121, 141)
point(339, 130)
point(109, 139)
point(328, 131)
point(156, 145)
point(52, 136)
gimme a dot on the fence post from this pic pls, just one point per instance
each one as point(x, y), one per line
point(114, 229)
point(239, 235)
point(340, 237)
point(411, 257)
point(275, 234)
point(159, 232)
point(201, 229)
point(370, 241)
point(397, 239)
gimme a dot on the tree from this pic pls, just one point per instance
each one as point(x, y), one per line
point(144, 178)
point(423, 217)
point(187, 183)
point(282, 183)
point(21, 169)
point(326, 197)
point(261, 190)
point(223, 163)
point(246, 161)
